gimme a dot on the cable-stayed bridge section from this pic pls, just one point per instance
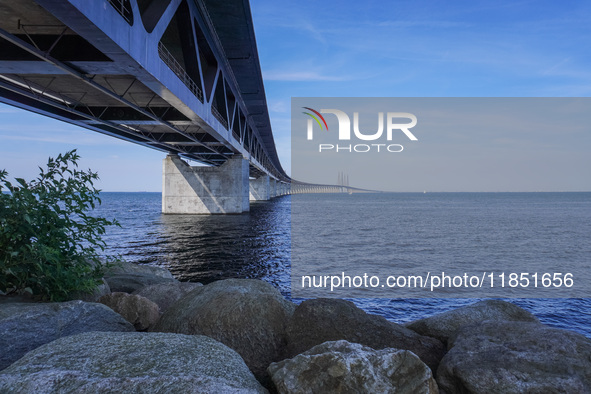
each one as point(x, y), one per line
point(180, 76)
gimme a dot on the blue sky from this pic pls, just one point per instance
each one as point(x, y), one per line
point(353, 48)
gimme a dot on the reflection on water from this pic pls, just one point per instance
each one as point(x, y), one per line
point(201, 248)
point(206, 248)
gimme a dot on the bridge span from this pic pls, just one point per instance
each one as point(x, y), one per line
point(180, 76)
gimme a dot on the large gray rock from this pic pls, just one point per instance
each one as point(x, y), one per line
point(320, 320)
point(516, 357)
point(24, 327)
point(344, 367)
point(130, 363)
point(445, 325)
point(128, 277)
point(128, 283)
point(245, 314)
point(138, 310)
point(166, 294)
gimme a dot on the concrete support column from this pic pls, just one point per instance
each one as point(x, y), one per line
point(205, 190)
point(260, 188)
point(273, 185)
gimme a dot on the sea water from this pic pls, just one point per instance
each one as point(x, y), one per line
point(518, 227)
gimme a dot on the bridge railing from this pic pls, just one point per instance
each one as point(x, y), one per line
point(180, 72)
point(219, 116)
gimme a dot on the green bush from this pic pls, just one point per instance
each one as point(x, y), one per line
point(49, 244)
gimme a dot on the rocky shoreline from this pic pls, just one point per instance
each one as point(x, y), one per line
point(143, 331)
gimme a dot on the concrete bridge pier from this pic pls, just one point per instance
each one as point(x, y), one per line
point(273, 184)
point(205, 190)
point(260, 188)
point(284, 188)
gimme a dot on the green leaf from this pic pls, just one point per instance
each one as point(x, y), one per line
point(47, 237)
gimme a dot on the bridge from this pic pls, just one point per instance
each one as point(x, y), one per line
point(179, 76)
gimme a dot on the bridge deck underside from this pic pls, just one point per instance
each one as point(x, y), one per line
point(70, 98)
point(47, 67)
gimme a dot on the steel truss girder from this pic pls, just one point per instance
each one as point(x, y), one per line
point(17, 96)
point(75, 73)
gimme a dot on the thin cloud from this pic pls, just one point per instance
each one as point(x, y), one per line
point(301, 76)
point(298, 22)
point(314, 32)
point(279, 106)
point(424, 23)
point(566, 68)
